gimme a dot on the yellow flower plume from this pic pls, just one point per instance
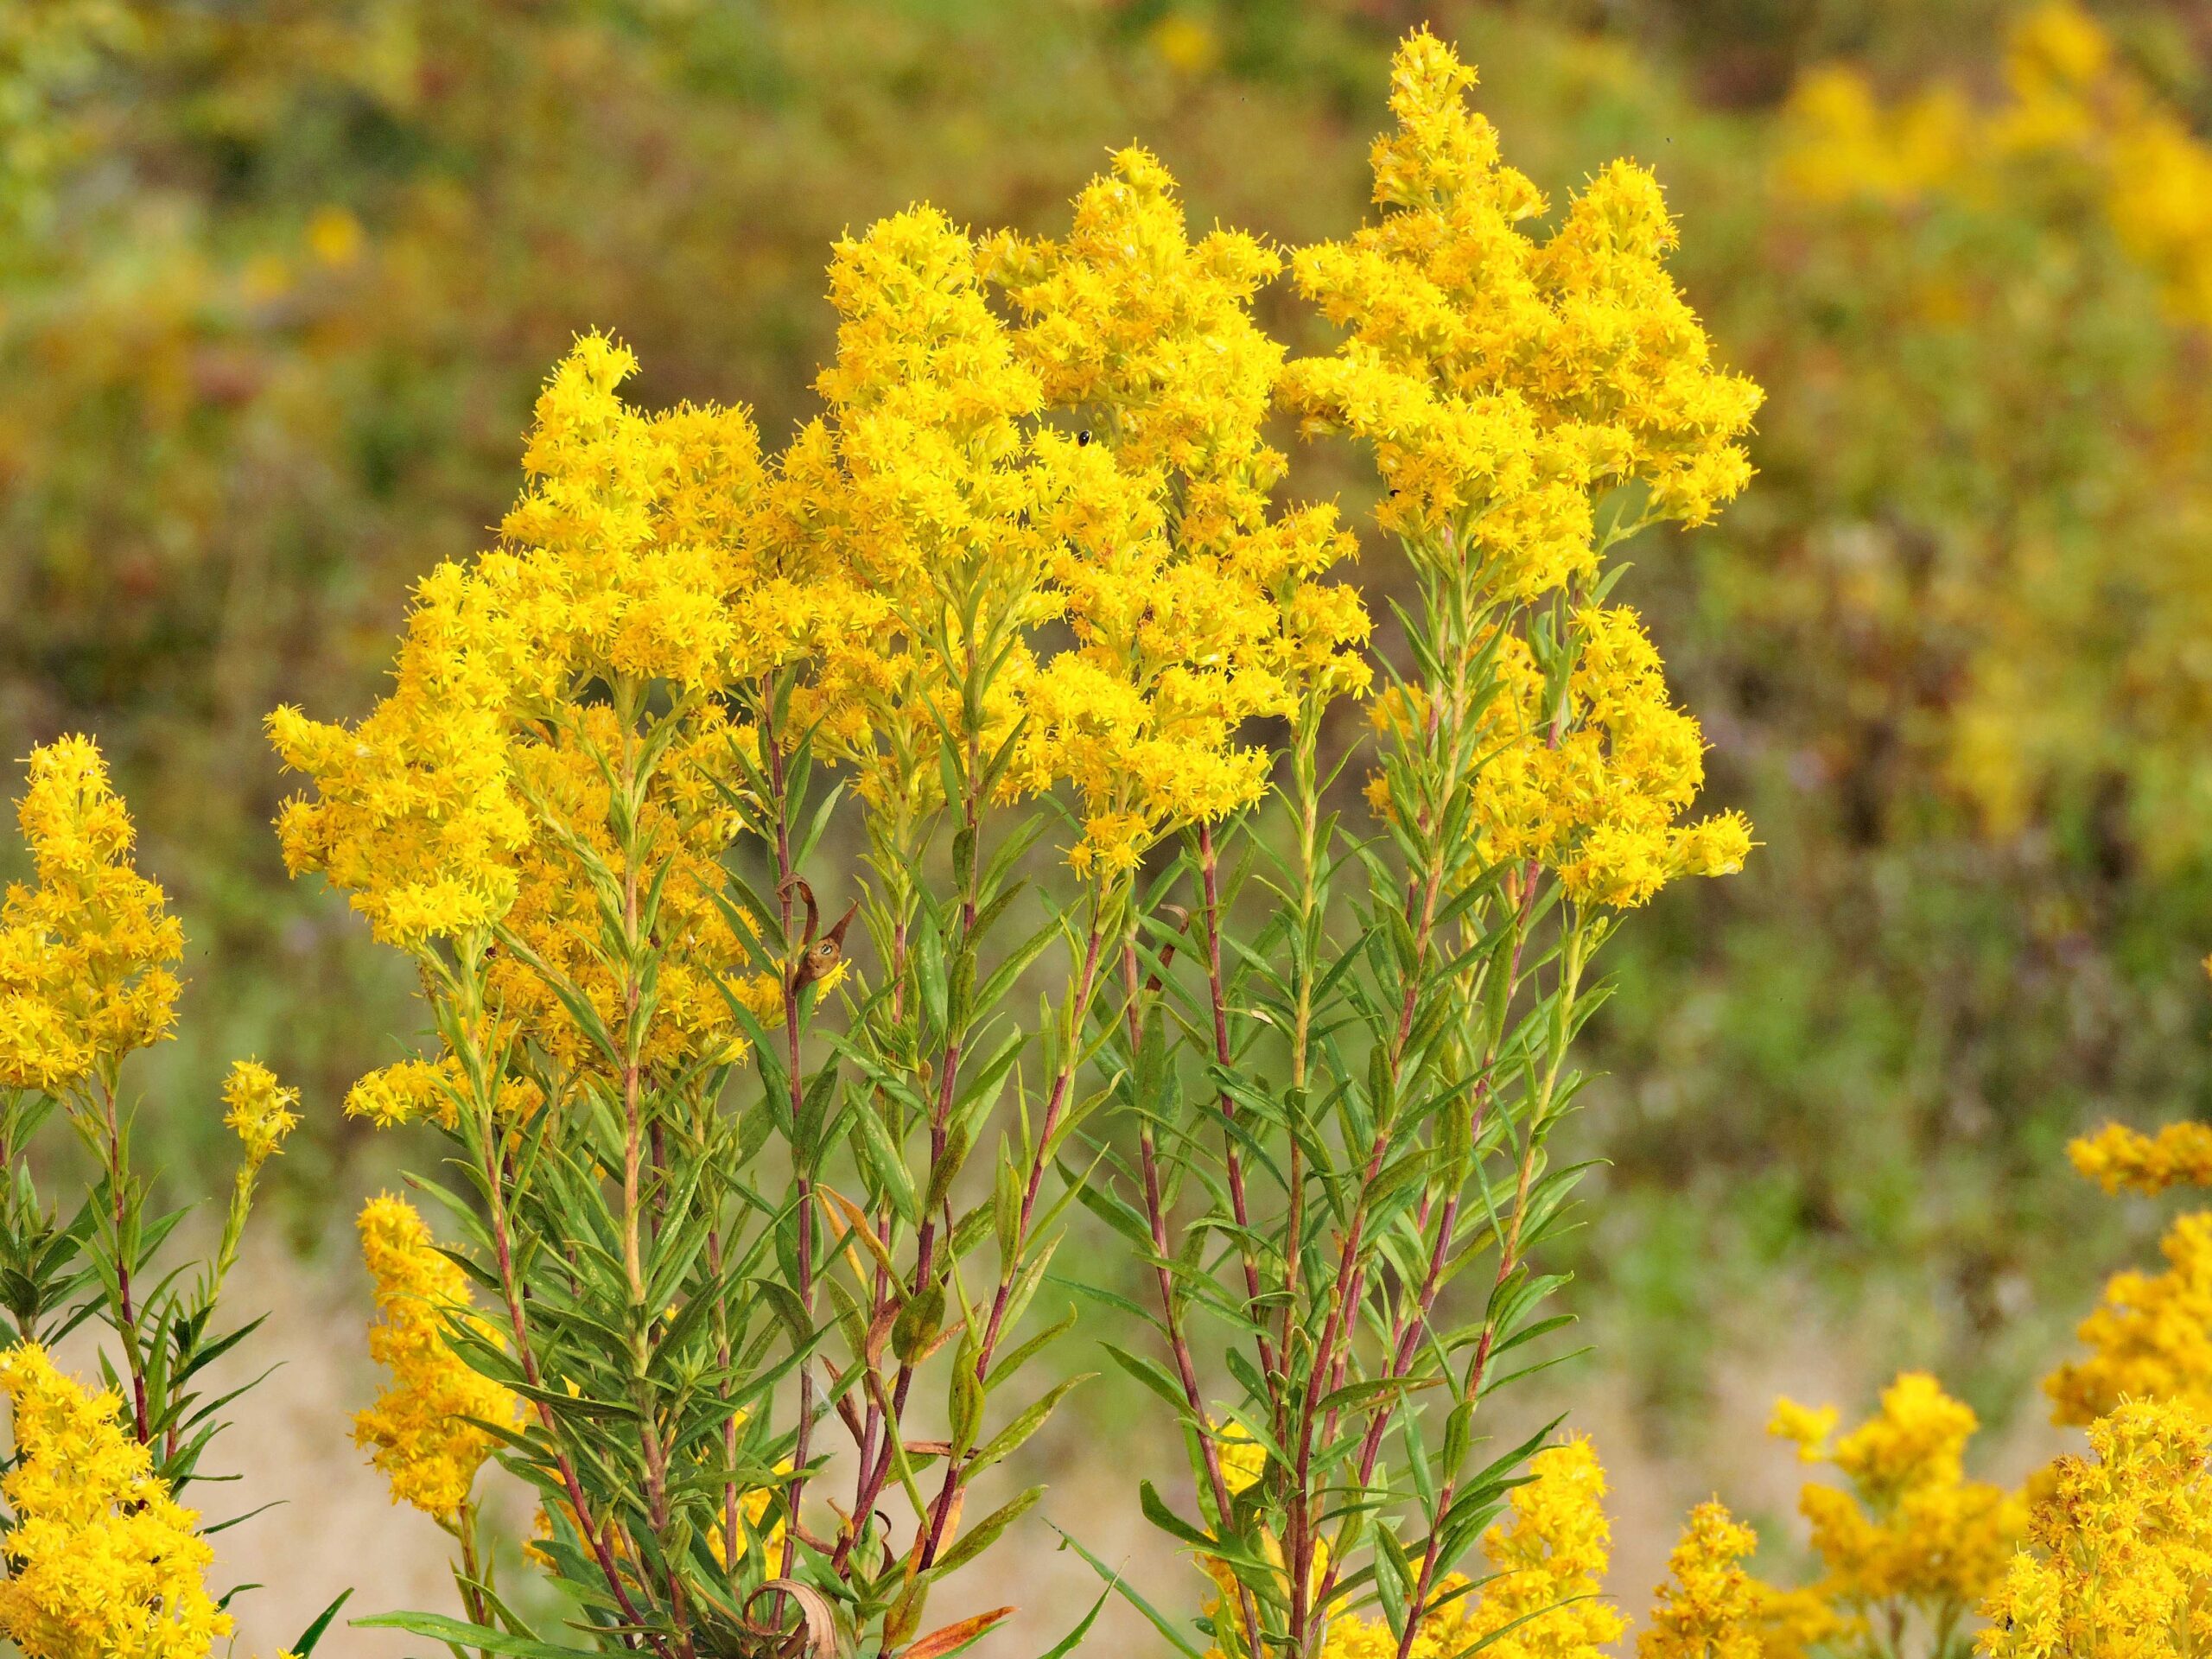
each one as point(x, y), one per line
point(2121, 1563)
point(1503, 381)
point(102, 1562)
point(2149, 1337)
point(1912, 1530)
point(418, 1431)
point(261, 1110)
point(1194, 608)
point(86, 953)
point(1709, 1608)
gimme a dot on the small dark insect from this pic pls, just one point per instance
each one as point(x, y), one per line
point(818, 952)
point(1084, 436)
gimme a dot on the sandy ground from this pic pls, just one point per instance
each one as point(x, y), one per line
point(336, 1526)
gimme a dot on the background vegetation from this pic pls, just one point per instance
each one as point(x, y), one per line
point(279, 277)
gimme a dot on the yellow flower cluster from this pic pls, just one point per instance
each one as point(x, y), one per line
point(416, 815)
point(84, 954)
point(914, 501)
point(2120, 1158)
point(1192, 610)
point(1844, 144)
point(1710, 1607)
point(1503, 381)
point(1912, 1530)
point(1543, 1597)
point(420, 1432)
point(905, 545)
point(2072, 102)
point(102, 1562)
point(1548, 1559)
point(1591, 783)
point(407, 1091)
point(1243, 1459)
point(2150, 1338)
point(616, 563)
point(260, 1113)
point(1793, 1623)
point(476, 791)
point(2121, 1567)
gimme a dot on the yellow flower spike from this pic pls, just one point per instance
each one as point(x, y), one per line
point(1544, 1596)
point(1807, 1427)
point(1505, 381)
point(1709, 1608)
point(1550, 1556)
point(103, 1562)
point(261, 1110)
point(2150, 1336)
point(86, 954)
point(1194, 608)
point(418, 1432)
point(2121, 1561)
point(2120, 1158)
point(1912, 1531)
point(1597, 795)
point(406, 1091)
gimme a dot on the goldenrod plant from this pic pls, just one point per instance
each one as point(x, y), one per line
point(752, 1151)
point(102, 1557)
point(1344, 1050)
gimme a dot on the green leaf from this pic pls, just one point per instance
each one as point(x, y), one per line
point(1068, 1643)
point(980, 1537)
point(1114, 1583)
point(884, 1160)
point(1004, 1442)
point(313, 1634)
point(1156, 1511)
point(1153, 1374)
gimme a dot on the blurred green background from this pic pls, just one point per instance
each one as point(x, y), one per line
point(278, 279)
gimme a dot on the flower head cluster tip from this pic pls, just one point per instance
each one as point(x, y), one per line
point(86, 954)
point(1505, 380)
point(2120, 1158)
point(1709, 1608)
point(2149, 1337)
point(1194, 607)
point(1542, 1597)
point(261, 1110)
point(422, 1431)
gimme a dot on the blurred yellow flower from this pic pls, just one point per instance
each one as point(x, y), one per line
point(1912, 1532)
point(1186, 44)
point(335, 236)
point(1709, 1609)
